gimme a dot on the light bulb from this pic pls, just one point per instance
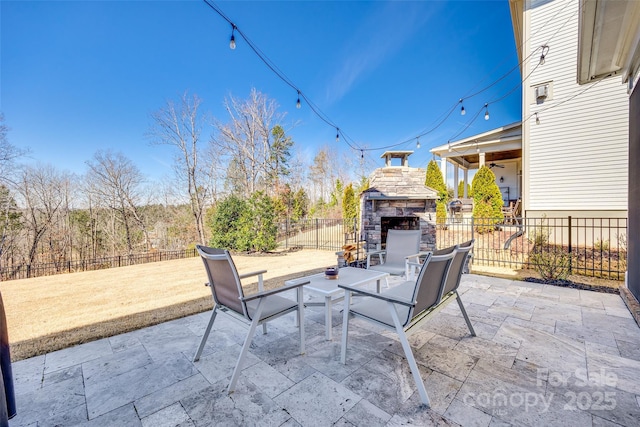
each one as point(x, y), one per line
point(537, 119)
point(232, 41)
point(362, 154)
point(298, 102)
point(449, 146)
point(486, 113)
point(418, 143)
point(543, 55)
point(462, 111)
point(337, 134)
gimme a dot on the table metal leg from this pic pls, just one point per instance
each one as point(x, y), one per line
point(327, 317)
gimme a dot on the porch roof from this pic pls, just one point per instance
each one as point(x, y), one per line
point(498, 144)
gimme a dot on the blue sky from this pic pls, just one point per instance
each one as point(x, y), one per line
point(79, 76)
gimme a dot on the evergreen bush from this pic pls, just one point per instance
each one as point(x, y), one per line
point(487, 200)
point(349, 208)
point(461, 190)
point(244, 225)
point(435, 181)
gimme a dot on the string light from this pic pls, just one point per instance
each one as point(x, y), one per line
point(537, 119)
point(417, 142)
point(232, 41)
point(545, 49)
point(362, 154)
point(477, 147)
point(327, 120)
point(449, 143)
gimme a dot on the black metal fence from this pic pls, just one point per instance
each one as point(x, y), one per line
point(594, 247)
point(26, 271)
point(328, 234)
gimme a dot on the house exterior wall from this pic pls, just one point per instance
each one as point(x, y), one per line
point(576, 160)
point(633, 254)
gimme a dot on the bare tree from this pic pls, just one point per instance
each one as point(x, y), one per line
point(9, 224)
point(180, 126)
point(44, 192)
point(118, 183)
point(246, 140)
point(8, 153)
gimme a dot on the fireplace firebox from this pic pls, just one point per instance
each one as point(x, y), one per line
point(397, 223)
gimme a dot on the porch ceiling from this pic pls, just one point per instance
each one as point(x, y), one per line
point(504, 143)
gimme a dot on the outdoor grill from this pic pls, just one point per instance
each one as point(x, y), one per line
point(455, 206)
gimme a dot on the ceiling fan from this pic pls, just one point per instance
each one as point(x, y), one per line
point(492, 165)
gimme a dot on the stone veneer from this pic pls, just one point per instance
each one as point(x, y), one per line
point(396, 192)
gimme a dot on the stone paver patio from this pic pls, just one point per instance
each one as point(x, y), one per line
point(543, 356)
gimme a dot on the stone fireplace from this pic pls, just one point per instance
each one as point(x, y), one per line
point(397, 199)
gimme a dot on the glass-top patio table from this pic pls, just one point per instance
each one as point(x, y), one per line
point(320, 285)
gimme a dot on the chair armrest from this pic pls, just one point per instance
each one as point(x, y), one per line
point(395, 300)
point(418, 255)
point(272, 291)
point(382, 251)
point(379, 253)
point(253, 273)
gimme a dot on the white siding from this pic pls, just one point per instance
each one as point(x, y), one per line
point(578, 154)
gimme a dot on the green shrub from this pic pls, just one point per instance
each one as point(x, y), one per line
point(435, 181)
point(441, 214)
point(539, 234)
point(487, 199)
point(244, 225)
point(483, 221)
point(552, 263)
point(349, 208)
point(461, 190)
point(226, 222)
point(601, 245)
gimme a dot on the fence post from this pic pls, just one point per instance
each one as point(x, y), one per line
point(286, 234)
point(472, 229)
point(570, 247)
point(355, 232)
point(317, 235)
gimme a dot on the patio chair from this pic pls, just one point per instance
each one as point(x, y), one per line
point(258, 308)
point(416, 265)
point(467, 261)
point(511, 212)
point(402, 246)
point(407, 306)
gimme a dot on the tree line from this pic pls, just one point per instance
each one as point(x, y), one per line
point(233, 180)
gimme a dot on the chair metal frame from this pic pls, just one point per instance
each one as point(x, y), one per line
point(418, 313)
point(245, 309)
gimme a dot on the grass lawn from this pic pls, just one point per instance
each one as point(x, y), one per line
point(53, 312)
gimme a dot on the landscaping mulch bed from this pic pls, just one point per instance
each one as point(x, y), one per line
point(574, 285)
